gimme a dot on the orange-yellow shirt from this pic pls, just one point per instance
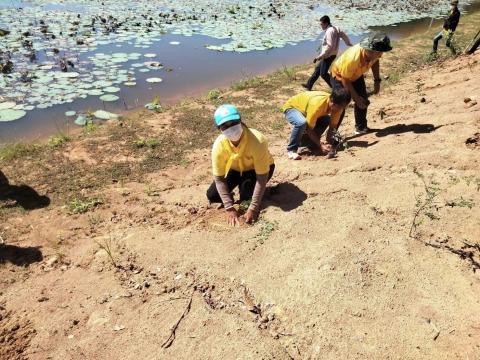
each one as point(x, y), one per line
point(313, 105)
point(351, 65)
point(251, 154)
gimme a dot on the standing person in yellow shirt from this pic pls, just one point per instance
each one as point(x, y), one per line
point(240, 157)
point(311, 112)
point(348, 71)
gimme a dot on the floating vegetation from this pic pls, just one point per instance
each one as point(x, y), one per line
point(104, 115)
point(109, 97)
point(11, 114)
point(51, 51)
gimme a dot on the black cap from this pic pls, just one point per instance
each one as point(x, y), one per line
point(377, 42)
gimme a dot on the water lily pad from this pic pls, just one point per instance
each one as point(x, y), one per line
point(150, 55)
point(7, 105)
point(11, 115)
point(130, 83)
point(70, 113)
point(109, 97)
point(111, 89)
point(154, 80)
point(174, 43)
point(82, 120)
point(104, 115)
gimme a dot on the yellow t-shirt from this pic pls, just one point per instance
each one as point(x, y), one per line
point(251, 154)
point(351, 65)
point(313, 105)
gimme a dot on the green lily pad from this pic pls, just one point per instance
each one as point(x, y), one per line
point(111, 89)
point(11, 115)
point(7, 105)
point(109, 97)
point(70, 113)
point(104, 115)
point(82, 120)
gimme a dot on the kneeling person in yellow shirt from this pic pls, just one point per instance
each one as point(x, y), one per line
point(240, 157)
point(312, 112)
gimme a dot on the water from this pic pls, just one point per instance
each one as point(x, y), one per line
point(195, 70)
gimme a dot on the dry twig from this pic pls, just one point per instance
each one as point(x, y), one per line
point(171, 338)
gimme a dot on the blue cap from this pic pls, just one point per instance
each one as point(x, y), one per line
point(226, 113)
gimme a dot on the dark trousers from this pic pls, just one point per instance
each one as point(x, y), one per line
point(245, 181)
point(321, 70)
point(448, 42)
point(320, 127)
point(360, 114)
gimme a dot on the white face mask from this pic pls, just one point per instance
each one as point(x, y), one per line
point(233, 133)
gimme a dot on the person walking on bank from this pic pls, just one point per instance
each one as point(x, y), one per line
point(240, 157)
point(328, 53)
point(311, 112)
point(348, 71)
point(449, 26)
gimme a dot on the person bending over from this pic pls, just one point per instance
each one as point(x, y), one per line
point(311, 112)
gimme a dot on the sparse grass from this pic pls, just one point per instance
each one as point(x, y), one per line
point(213, 94)
point(18, 150)
point(108, 245)
point(58, 140)
point(80, 206)
point(248, 83)
point(94, 220)
point(90, 127)
point(277, 125)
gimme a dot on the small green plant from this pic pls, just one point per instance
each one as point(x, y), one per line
point(79, 206)
point(213, 94)
point(425, 204)
point(393, 77)
point(266, 230)
point(184, 163)
point(461, 202)
point(58, 140)
point(431, 57)
point(107, 245)
point(150, 143)
point(244, 205)
point(152, 191)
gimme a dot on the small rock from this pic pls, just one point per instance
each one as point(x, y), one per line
point(423, 100)
point(467, 100)
point(42, 299)
point(118, 327)
point(51, 261)
point(75, 322)
point(70, 336)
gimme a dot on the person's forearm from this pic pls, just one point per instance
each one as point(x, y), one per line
point(258, 192)
point(312, 135)
point(349, 87)
point(376, 70)
point(223, 191)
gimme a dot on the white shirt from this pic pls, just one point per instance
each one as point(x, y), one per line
point(331, 41)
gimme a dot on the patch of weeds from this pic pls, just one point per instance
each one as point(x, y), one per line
point(58, 140)
point(213, 94)
point(473, 180)
point(460, 202)
point(151, 191)
point(184, 163)
point(425, 204)
point(18, 150)
point(80, 206)
point(150, 143)
point(248, 83)
point(108, 245)
point(266, 229)
point(119, 171)
point(289, 73)
point(431, 57)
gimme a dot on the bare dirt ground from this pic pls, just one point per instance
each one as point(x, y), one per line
point(372, 255)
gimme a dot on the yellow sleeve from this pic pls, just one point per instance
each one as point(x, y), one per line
point(219, 160)
point(262, 158)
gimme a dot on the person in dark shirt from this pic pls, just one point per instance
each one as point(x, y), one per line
point(449, 27)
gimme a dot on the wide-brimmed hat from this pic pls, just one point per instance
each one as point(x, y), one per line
point(376, 42)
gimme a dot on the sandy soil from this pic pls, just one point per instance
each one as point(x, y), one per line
point(373, 255)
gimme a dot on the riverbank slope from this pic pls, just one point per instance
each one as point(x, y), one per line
point(111, 250)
